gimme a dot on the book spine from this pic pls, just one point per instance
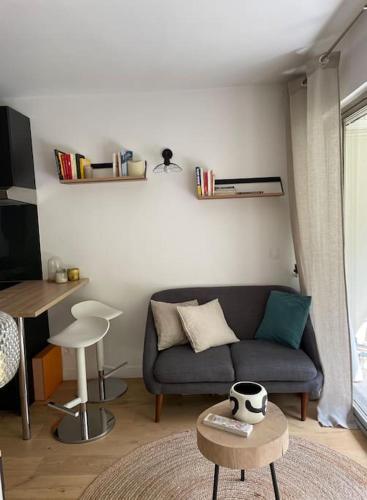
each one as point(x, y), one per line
point(198, 181)
point(58, 164)
point(125, 157)
point(68, 165)
point(202, 181)
point(119, 165)
point(206, 183)
point(78, 158)
point(210, 182)
point(114, 165)
point(73, 165)
point(64, 166)
point(82, 165)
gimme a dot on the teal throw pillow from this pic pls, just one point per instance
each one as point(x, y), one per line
point(284, 319)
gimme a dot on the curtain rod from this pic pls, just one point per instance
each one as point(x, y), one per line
point(323, 59)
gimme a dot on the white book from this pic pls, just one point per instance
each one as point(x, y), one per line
point(114, 165)
point(210, 172)
point(228, 424)
point(119, 166)
point(202, 181)
point(74, 172)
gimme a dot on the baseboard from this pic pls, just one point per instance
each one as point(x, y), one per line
point(127, 371)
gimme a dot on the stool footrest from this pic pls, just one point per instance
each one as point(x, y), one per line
point(73, 403)
point(114, 370)
point(67, 408)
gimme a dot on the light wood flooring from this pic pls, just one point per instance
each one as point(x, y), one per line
point(43, 468)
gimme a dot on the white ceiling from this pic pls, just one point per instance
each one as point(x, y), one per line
point(77, 46)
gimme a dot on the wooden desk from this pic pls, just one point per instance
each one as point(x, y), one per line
point(29, 299)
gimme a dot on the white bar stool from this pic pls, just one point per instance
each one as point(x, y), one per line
point(104, 388)
point(82, 425)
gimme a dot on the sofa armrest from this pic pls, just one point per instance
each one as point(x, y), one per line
point(150, 354)
point(309, 344)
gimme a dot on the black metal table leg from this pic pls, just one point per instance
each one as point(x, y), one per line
point(275, 484)
point(242, 474)
point(215, 485)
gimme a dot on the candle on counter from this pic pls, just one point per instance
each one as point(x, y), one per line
point(73, 274)
point(61, 276)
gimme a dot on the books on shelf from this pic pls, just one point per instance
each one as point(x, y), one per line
point(205, 182)
point(119, 162)
point(207, 185)
point(70, 165)
point(126, 156)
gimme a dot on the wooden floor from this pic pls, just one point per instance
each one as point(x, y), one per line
point(44, 468)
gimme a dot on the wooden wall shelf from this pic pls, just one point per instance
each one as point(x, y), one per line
point(103, 179)
point(240, 195)
point(255, 189)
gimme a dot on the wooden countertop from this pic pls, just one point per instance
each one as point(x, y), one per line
point(29, 299)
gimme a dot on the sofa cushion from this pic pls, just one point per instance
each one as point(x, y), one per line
point(168, 324)
point(263, 361)
point(285, 318)
point(179, 364)
point(206, 326)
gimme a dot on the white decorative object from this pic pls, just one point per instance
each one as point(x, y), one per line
point(54, 264)
point(249, 402)
point(136, 168)
point(228, 425)
point(9, 348)
point(61, 276)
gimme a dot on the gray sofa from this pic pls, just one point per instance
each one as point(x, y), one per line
point(178, 370)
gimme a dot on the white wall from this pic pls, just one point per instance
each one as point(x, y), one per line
point(132, 239)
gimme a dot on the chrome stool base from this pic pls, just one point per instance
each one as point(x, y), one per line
point(99, 422)
point(112, 389)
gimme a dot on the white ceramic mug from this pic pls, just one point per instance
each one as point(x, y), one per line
point(249, 402)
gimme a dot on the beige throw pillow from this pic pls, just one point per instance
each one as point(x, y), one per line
point(168, 324)
point(206, 326)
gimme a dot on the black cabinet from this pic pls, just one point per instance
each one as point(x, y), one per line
point(20, 255)
point(16, 155)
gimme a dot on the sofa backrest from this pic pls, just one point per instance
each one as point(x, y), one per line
point(243, 306)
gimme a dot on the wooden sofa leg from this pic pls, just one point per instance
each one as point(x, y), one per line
point(304, 405)
point(158, 406)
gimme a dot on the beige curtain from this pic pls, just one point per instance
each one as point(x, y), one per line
point(316, 210)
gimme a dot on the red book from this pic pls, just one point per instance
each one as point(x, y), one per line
point(63, 165)
point(206, 183)
point(68, 165)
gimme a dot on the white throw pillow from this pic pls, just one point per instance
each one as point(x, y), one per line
point(168, 324)
point(206, 326)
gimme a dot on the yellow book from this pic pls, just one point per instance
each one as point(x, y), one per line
point(83, 163)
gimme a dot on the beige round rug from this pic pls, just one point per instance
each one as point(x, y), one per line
point(173, 468)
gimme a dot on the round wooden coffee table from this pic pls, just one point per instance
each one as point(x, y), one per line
point(267, 442)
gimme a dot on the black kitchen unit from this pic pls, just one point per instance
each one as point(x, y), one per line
point(20, 255)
